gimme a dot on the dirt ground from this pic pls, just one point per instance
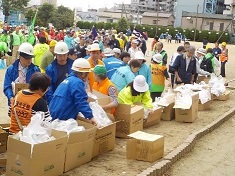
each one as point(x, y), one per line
point(115, 162)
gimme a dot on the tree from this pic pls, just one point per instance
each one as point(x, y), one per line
point(45, 13)
point(29, 14)
point(122, 25)
point(66, 16)
point(8, 5)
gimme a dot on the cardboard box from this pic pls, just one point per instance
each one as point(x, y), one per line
point(222, 97)
point(3, 159)
point(80, 146)
point(145, 147)
point(154, 118)
point(130, 119)
point(203, 78)
point(205, 106)
point(44, 159)
point(168, 112)
point(104, 139)
point(3, 137)
point(16, 87)
point(188, 115)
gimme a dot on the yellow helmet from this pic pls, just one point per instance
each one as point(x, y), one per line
point(223, 43)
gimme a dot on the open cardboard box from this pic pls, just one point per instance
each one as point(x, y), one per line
point(130, 119)
point(42, 159)
point(104, 140)
point(145, 147)
point(223, 97)
point(154, 118)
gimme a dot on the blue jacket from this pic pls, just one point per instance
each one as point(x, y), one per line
point(112, 64)
point(12, 74)
point(69, 41)
point(69, 99)
point(146, 72)
point(122, 77)
point(52, 72)
point(180, 66)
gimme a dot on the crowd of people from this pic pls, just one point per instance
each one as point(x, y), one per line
point(63, 66)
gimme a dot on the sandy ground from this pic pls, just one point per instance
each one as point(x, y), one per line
point(115, 162)
point(213, 155)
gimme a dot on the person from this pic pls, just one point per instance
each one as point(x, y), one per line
point(113, 43)
point(223, 58)
point(180, 50)
point(29, 101)
point(39, 49)
point(59, 69)
point(15, 41)
point(73, 54)
point(186, 45)
point(136, 92)
point(70, 97)
point(143, 45)
point(94, 60)
point(144, 68)
point(117, 52)
point(111, 63)
point(216, 50)
point(158, 48)
point(200, 54)
point(155, 40)
point(159, 74)
point(125, 75)
point(101, 45)
point(103, 85)
point(48, 56)
point(5, 37)
point(204, 42)
point(125, 57)
point(69, 40)
point(20, 71)
point(185, 67)
point(134, 48)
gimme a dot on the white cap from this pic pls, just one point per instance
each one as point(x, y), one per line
point(108, 52)
point(157, 58)
point(140, 84)
point(81, 65)
point(95, 47)
point(61, 48)
point(117, 50)
point(201, 51)
point(139, 55)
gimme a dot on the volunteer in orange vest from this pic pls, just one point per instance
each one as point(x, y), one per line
point(103, 85)
point(223, 58)
point(94, 60)
point(29, 101)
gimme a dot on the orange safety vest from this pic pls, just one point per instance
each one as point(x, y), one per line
point(158, 77)
point(91, 74)
point(224, 55)
point(103, 88)
point(24, 105)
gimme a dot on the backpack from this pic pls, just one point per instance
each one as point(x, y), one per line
point(206, 64)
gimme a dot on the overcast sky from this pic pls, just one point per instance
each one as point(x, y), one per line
point(85, 4)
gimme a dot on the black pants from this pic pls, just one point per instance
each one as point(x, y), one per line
point(222, 70)
point(172, 80)
point(155, 94)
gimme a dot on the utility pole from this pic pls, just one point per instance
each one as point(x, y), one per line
point(195, 31)
point(157, 16)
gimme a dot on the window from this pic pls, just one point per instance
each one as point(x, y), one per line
point(211, 26)
point(110, 20)
point(221, 27)
point(154, 21)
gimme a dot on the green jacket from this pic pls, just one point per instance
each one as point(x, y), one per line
point(125, 97)
point(5, 38)
point(212, 58)
point(17, 39)
point(47, 59)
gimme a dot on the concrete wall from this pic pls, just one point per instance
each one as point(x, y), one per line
point(161, 21)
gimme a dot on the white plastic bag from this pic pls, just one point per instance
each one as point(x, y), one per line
point(100, 115)
point(204, 95)
point(217, 85)
point(183, 99)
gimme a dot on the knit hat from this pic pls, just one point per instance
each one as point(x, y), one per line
point(100, 70)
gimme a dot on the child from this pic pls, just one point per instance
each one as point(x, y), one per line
point(159, 73)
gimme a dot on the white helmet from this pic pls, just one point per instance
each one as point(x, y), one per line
point(61, 48)
point(26, 48)
point(81, 65)
point(157, 58)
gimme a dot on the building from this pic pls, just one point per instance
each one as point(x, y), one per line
point(113, 17)
point(230, 7)
point(160, 19)
point(213, 22)
point(141, 6)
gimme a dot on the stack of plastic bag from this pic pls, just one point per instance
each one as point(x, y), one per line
point(100, 115)
point(183, 99)
point(37, 131)
point(166, 99)
point(67, 126)
point(217, 85)
point(204, 95)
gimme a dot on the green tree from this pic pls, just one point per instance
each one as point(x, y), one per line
point(8, 5)
point(29, 14)
point(122, 25)
point(45, 13)
point(66, 16)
